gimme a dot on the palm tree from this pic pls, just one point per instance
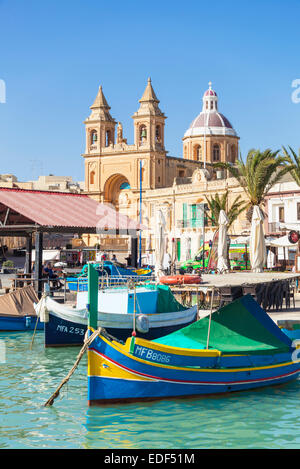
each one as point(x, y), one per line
point(294, 162)
point(260, 172)
point(216, 204)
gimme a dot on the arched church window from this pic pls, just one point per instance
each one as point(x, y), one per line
point(185, 150)
point(143, 134)
point(216, 152)
point(233, 154)
point(107, 138)
point(94, 137)
point(92, 177)
point(197, 153)
point(158, 134)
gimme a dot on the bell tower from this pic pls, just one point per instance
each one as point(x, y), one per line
point(100, 139)
point(149, 125)
point(100, 126)
point(149, 121)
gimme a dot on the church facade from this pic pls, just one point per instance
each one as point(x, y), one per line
point(141, 178)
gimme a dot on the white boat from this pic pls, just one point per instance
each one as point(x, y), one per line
point(150, 312)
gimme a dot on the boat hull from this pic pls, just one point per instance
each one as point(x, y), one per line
point(118, 373)
point(101, 392)
point(23, 323)
point(61, 332)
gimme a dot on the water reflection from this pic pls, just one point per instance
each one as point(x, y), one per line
point(266, 418)
point(263, 418)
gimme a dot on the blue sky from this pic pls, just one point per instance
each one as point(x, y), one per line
point(55, 53)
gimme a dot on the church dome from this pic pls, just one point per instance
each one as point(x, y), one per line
point(210, 121)
point(210, 92)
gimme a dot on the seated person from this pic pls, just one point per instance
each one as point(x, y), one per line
point(48, 272)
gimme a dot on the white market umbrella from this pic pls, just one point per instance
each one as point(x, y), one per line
point(60, 264)
point(241, 240)
point(258, 252)
point(48, 255)
point(148, 255)
point(282, 242)
point(185, 253)
point(222, 243)
point(159, 243)
point(195, 243)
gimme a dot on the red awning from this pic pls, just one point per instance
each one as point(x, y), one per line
point(57, 209)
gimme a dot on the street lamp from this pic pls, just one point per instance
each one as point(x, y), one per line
point(205, 209)
point(140, 240)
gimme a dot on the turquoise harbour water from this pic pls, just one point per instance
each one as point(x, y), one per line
point(266, 418)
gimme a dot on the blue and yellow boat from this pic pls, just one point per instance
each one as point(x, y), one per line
point(237, 348)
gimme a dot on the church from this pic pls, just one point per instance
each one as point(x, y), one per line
point(141, 178)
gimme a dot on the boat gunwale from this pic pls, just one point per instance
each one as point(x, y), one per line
point(124, 349)
point(188, 369)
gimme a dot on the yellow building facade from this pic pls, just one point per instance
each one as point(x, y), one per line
point(143, 176)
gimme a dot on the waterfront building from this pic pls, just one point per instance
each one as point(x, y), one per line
point(283, 207)
point(43, 183)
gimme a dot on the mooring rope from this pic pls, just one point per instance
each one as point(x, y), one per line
point(79, 356)
point(38, 314)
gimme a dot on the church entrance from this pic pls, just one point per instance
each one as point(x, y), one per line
point(116, 190)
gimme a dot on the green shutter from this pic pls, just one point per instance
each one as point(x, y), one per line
point(184, 214)
point(193, 215)
point(178, 250)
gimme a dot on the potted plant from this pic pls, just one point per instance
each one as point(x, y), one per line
point(8, 267)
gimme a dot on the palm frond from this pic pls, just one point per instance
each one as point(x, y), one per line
point(216, 204)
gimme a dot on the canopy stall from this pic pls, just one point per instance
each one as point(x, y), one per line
point(284, 251)
point(282, 242)
point(27, 212)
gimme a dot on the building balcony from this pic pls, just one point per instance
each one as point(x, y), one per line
point(182, 180)
point(192, 223)
point(274, 228)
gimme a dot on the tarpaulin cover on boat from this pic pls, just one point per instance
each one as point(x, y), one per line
point(241, 326)
point(19, 302)
point(166, 301)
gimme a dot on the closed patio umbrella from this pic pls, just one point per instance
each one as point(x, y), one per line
point(159, 243)
point(185, 247)
point(222, 243)
point(195, 244)
point(258, 252)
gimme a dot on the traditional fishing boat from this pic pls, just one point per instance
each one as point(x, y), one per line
point(151, 311)
point(236, 348)
point(112, 272)
point(17, 311)
point(291, 327)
